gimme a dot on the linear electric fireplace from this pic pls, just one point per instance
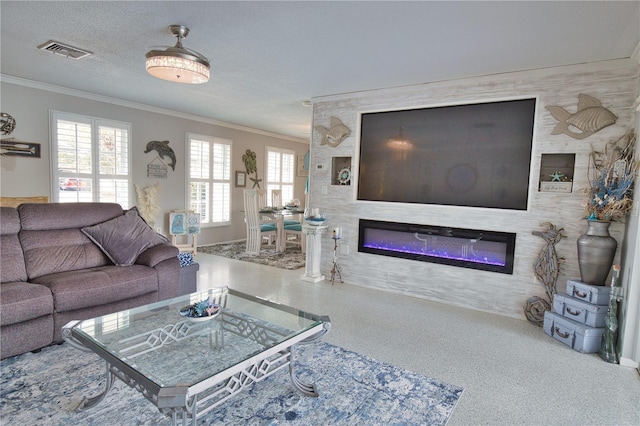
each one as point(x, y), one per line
point(467, 248)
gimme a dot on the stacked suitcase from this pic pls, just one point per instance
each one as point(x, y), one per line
point(578, 317)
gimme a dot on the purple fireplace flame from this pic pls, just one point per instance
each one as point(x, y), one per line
point(467, 248)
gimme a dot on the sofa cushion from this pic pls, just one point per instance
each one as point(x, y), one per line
point(51, 239)
point(9, 221)
point(21, 301)
point(59, 250)
point(99, 286)
point(123, 238)
point(11, 257)
point(44, 217)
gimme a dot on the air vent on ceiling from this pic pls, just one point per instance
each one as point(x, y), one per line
point(64, 50)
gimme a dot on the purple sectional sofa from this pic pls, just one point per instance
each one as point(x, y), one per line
point(59, 262)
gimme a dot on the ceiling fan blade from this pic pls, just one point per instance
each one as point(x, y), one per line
point(195, 53)
point(158, 47)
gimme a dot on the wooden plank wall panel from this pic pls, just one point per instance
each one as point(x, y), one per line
point(614, 83)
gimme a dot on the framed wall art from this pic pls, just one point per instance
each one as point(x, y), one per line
point(303, 165)
point(19, 149)
point(178, 222)
point(241, 179)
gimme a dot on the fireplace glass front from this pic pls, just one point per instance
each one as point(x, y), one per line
point(467, 248)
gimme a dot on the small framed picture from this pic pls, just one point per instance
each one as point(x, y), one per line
point(301, 171)
point(241, 179)
point(19, 149)
point(178, 223)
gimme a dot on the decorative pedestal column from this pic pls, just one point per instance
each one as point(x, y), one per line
point(314, 250)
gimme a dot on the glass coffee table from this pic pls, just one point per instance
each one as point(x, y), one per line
point(188, 366)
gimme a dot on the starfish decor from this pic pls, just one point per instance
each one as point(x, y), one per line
point(556, 176)
point(256, 181)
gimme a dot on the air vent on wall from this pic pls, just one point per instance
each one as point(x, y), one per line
point(64, 50)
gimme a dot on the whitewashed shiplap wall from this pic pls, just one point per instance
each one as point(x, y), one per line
point(614, 83)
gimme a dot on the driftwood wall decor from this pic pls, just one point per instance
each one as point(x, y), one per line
point(546, 269)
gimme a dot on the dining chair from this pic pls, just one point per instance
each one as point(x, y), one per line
point(262, 198)
point(293, 235)
point(276, 198)
point(257, 230)
point(276, 201)
point(262, 204)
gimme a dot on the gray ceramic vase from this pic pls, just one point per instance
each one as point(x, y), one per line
point(596, 249)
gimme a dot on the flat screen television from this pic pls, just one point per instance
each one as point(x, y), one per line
point(475, 155)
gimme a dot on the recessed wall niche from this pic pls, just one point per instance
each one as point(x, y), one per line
point(341, 171)
point(556, 172)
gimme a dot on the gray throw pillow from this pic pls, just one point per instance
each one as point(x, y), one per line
point(123, 238)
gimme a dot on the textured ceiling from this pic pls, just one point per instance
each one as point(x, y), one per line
point(267, 57)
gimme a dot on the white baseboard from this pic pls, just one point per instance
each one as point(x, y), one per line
point(626, 362)
point(222, 242)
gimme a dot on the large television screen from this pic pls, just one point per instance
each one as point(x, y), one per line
point(475, 155)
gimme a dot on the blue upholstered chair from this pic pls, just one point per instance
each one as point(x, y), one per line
point(293, 235)
point(257, 230)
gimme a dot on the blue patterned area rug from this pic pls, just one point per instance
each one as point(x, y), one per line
point(44, 388)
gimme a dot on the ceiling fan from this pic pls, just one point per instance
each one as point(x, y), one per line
point(178, 63)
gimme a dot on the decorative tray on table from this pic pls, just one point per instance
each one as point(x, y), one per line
point(314, 220)
point(201, 311)
point(267, 209)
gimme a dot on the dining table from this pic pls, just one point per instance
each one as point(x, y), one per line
point(280, 215)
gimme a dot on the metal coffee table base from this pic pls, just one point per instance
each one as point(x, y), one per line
point(184, 402)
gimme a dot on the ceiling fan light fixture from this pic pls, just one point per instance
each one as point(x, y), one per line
point(178, 64)
point(399, 142)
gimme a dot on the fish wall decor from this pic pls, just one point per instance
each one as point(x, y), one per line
point(163, 150)
point(335, 134)
point(590, 117)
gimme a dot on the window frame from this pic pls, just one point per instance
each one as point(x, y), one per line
point(228, 180)
point(278, 184)
point(95, 175)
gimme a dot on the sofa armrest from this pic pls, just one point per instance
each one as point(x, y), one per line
point(168, 278)
point(156, 254)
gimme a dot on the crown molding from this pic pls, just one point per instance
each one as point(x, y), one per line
point(4, 78)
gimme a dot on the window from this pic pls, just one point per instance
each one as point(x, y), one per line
point(209, 183)
point(91, 160)
point(280, 172)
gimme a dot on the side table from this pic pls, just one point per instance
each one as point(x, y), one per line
point(313, 235)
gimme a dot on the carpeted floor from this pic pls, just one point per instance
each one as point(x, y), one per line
point(292, 258)
point(44, 388)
